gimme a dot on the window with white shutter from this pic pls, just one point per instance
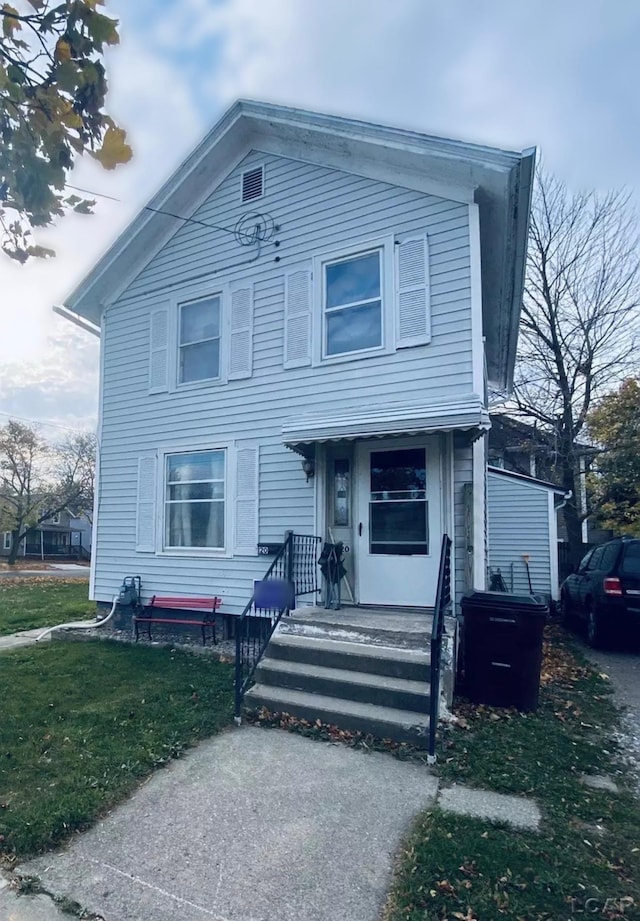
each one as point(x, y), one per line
point(241, 333)
point(146, 517)
point(246, 501)
point(297, 327)
point(413, 315)
point(159, 351)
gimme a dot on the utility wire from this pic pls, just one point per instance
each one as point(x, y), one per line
point(234, 231)
point(56, 425)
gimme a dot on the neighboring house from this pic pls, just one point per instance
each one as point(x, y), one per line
point(305, 291)
point(523, 448)
point(65, 534)
point(523, 531)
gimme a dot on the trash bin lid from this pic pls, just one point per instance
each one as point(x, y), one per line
point(505, 601)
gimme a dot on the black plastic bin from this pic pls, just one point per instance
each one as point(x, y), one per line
point(503, 648)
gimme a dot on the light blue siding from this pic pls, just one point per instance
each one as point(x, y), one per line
point(315, 208)
point(518, 517)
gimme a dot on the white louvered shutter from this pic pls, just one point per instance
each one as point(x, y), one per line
point(413, 314)
point(159, 351)
point(241, 344)
point(146, 518)
point(246, 501)
point(297, 331)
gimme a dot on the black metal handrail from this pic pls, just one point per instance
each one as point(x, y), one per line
point(295, 566)
point(443, 603)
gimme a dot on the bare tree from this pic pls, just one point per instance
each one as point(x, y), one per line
point(579, 323)
point(39, 480)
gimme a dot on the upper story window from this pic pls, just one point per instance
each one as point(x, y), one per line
point(353, 304)
point(199, 340)
point(194, 507)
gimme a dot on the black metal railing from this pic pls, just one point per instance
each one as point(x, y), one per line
point(293, 572)
point(443, 603)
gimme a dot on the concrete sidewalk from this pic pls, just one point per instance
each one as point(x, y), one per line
point(253, 825)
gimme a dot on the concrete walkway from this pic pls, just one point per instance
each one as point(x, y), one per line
point(24, 638)
point(253, 825)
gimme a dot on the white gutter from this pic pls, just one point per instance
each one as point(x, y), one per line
point(84, 324)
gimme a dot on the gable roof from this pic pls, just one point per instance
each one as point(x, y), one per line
point(498, 181)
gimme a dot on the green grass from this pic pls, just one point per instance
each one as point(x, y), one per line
point(41, 602)
point(83, 723)
point(585, 860)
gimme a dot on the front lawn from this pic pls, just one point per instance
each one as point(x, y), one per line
point(42, 602)
point(586, 858)
point(82, 723)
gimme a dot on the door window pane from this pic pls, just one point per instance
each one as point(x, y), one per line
point(398, 509)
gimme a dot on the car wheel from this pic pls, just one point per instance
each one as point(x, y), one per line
point(595, 629)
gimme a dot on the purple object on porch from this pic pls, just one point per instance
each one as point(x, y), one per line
point(274, 594)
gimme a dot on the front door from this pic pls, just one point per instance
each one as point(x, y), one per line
point(399, 525)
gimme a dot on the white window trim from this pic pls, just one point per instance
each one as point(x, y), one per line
point(229, 492)
point(7, 540)
point(187, 296)
point(386, 245)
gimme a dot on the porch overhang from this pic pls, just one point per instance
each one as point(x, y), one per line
point(467, 414)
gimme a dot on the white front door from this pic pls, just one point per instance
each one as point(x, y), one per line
point(399, 522)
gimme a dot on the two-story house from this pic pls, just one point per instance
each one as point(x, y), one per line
point(296, 334)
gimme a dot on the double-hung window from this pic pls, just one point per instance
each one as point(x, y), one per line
point(194, 505)
point(199, 340)
point(352, 304)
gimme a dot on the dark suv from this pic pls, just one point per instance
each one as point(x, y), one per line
point(605, 590)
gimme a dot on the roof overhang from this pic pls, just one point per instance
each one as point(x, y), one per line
point(529, 481)
point(466, 414)
point(498, 181)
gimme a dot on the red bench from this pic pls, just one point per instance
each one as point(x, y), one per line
point(208, 606)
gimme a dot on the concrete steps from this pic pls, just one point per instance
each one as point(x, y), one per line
point(382, 722)
point(335, 668)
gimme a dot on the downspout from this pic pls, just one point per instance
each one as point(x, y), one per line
point(83, 624)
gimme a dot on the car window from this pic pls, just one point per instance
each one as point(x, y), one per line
point(631, 560)
point(594, 562)
point(585, 561)
point(609, 557)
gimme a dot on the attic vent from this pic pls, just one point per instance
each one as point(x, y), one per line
point(252, 184)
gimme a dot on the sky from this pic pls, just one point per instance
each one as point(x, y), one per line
point(561, 76)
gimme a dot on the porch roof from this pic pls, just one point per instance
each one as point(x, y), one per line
point(377, 421)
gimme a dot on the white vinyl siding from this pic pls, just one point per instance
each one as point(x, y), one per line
point(518, 523)
point(323, 211)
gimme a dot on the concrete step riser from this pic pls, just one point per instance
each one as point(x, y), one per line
point(350, 722)
point(371, 665)
point(345, 690)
